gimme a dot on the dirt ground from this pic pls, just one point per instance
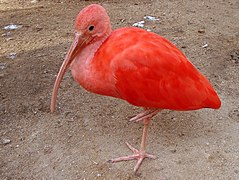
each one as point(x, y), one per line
point(88, 129)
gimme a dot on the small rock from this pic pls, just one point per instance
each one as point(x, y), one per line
point(235, 57)
point(8, 39)
point(139, 24)
point(181, 134)
point(2, 65)
point(39, 28)
point(12, 27)
point(6, 141)
point(122, 20)
point(151, 18)
point(95, 163)
point(201, 31)
point(11, 56)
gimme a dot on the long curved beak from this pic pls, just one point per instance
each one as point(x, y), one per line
point(75, 48)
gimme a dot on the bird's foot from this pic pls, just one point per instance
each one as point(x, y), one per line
point(146, 114)
point(138, 154)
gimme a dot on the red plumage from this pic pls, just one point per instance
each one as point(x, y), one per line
point(149, 71)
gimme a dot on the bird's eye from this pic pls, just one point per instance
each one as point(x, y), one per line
point(91, 28)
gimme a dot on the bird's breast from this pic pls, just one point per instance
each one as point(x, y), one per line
point(93, 77)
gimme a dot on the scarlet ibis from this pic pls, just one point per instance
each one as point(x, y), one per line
point(135, 65)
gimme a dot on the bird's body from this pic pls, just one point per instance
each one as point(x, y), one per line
point(152, 73)
point(132, 64)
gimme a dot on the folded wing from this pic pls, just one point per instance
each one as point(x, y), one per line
point(150, 71)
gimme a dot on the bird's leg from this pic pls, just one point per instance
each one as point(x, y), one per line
point(142, 152)
point(138, 154)
point(147, 113)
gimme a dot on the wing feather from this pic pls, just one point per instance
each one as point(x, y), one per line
point(150, 71)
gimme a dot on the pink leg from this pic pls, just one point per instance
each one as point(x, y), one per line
point(139, 154)
point(147, 113)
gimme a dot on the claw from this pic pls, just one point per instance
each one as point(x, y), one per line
point(146, 116)
point(138, 154)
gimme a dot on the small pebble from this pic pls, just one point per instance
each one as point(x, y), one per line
point(11, 56)
point(6, 141)
point(12, 27)
point(39, 28)
point(151, 18)
point(8, 39)
point(139, 24)
point(122, 20)
point(2, 65)
point(201, 31)
point(95, 163)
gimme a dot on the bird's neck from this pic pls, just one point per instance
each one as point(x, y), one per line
point(93, 77)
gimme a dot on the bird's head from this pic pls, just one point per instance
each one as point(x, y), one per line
point(92, 24)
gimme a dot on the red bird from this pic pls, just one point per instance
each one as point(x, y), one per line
point(132, 64)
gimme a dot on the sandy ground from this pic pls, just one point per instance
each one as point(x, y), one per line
point(88, 129)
